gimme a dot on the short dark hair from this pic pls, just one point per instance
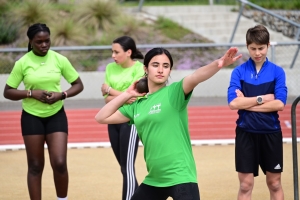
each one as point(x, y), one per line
point(157, 51)
point(258, 35)
point(127, 43)
point(34, 29)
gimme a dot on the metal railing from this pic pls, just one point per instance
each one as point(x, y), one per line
point(276, 49)
point(245, 2)
point(294, 144)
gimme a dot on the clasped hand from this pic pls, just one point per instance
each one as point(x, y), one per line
point(46, 96)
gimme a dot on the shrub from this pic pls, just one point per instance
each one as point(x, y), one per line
point(97, 14)
point(9, 32)
point(31, 11)
point(67, 33)
point(7, 61)
point(3, 6)
point(90, 63)
point(125, 25)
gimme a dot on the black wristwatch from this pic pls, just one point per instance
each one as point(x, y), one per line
point(63, 96)
point(259, 100)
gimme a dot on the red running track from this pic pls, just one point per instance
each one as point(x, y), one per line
point(205, 122)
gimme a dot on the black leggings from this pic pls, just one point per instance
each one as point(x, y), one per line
point(184, 191)
point(124, 142)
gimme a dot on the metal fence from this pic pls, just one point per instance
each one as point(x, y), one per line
point(95, 58)
point(186, 56)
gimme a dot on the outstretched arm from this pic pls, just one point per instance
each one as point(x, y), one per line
point(207, 71)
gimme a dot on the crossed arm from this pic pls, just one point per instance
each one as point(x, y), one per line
point(270, 104)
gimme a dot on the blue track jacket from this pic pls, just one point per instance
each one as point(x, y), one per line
point(269, 80)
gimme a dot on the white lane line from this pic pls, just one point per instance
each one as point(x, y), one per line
point(15, 147)
point(287, 123)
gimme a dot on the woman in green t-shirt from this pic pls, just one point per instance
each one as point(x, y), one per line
point(43, 118)
point(119, 75)
point(161, 120)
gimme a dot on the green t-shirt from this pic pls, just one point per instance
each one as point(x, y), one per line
point(161, 120)
point(41, 73)
point(120, 78)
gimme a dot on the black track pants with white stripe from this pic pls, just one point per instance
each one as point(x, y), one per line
point(124, 142)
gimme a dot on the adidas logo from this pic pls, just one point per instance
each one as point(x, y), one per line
point(277, 167)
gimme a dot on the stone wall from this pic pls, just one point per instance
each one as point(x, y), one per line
point(274, 23)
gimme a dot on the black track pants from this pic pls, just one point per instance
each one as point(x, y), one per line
point(124, 142)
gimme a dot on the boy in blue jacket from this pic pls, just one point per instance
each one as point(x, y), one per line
point(258, 91)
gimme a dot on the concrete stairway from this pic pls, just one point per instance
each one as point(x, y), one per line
point(216, 23)
point(213, 22)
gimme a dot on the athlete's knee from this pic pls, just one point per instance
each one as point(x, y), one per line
point(274, 185)
point(35, 168)
point(60, 166)
point(274, 181)
point(246, 186)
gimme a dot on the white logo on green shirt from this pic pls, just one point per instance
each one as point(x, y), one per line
point(155, 109)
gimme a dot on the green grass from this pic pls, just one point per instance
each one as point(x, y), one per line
point(268, 4)
point(178, 2)
point(158, 3)
point(278, 4)
point(171, 29)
